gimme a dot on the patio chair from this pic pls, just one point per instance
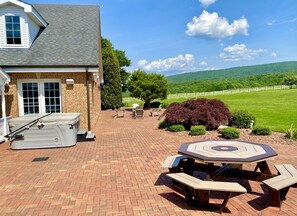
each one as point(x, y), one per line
point(119, 113)
point(138, 112)
point(135, 105)
point(156, 111)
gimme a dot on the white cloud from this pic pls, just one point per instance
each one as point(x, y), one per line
point(179, 63)
point(142, 62)
point(212, 68)
point(239, 52)
point(273, 54)
point(270, 23)
point(275, 22)
point(203, 63)
point(206, 3)
point(212, 26)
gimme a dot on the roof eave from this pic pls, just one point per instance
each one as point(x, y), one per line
point(33, 14)
point(49, 66)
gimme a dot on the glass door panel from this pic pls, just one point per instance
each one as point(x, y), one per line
point(30, 97)
point(52, 97)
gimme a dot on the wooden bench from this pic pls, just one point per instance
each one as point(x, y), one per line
point(194, 187)
point(280, 185)
point(286, 169)
point(173, 163)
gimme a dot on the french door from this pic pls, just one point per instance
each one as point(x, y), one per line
point(39, 96)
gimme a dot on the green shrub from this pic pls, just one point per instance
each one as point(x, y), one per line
point(111, 91)
point(176, 128)
point(295, 135)
point(242, 119)
point(198, 130)
point(261, 130)
point(291, 133)
point(154, 104)
point(230, 133)
point(163, 125)
point(165, 105)
point(126, 104)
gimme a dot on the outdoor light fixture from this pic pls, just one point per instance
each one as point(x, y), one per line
point(101, 84)
point(69, 81)
point(96, 78)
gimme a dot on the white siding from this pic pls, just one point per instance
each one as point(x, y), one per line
point(27, 36)
point(33, 31)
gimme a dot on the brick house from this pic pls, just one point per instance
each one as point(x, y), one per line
point(50, 60)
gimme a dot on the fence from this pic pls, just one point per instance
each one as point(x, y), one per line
point(229, 91)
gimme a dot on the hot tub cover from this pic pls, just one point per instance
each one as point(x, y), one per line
point(54, 118)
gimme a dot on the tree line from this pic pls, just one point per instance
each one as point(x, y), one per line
point(237, 72)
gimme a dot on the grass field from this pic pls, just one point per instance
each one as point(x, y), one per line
point(276, 109)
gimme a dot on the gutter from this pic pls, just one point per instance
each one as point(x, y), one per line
point(100, 53)
point(90, 135)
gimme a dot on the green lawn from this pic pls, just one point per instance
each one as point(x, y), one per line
point(276, 109)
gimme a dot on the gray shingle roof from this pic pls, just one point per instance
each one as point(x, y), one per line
point(70, 39)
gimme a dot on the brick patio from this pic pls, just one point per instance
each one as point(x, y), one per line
point(118, 174)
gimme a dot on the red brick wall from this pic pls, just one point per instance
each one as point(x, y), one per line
point(74, 97)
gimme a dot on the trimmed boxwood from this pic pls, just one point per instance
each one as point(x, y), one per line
point(230, 133)
point(177, 128)
point(198, 130)
point(261, 130)
point(164, 105)
point(163, 125)
point(242, 119)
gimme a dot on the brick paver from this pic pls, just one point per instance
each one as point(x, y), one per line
point(118, 174)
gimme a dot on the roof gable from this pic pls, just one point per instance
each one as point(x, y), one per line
point(31, 12)
point(71, 38)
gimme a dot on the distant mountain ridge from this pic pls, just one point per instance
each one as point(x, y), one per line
point(236, 72)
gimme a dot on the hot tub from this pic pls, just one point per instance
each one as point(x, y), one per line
point(53, 131)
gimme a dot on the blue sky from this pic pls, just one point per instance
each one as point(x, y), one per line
point(177, 36)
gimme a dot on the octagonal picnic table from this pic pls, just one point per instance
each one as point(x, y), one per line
point(228, 152)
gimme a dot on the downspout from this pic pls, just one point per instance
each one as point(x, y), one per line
point(88, 100)
point(90, 135)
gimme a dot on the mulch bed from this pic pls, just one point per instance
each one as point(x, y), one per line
point(245, 135)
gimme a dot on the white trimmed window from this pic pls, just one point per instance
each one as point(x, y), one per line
point(13, 30)
point(39, 96)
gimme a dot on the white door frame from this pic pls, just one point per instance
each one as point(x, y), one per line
point(41, 97)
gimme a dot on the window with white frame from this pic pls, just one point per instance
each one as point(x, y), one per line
point(39, 96)
point(13, 30)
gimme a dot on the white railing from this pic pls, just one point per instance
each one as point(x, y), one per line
point(4, 130)
point(229, 91)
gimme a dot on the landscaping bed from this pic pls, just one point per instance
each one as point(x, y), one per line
point(245, 134)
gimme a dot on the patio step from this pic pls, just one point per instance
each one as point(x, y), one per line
point(81, 133)
point(90, 136)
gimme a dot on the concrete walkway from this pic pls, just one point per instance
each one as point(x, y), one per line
point(118, 174)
